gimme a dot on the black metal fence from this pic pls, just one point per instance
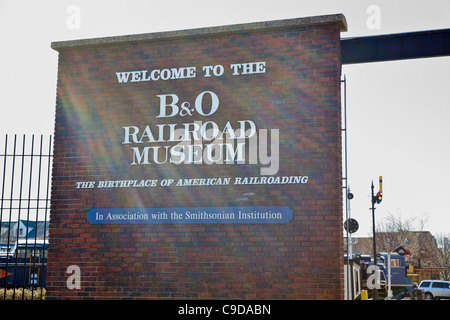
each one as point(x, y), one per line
point(24, 214)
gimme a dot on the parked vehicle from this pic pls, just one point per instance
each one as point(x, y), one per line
point(435, 289)
point(24, 264)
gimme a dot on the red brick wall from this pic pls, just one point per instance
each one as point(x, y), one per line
point(299, 94)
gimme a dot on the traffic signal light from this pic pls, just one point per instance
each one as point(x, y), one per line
point(379, 197)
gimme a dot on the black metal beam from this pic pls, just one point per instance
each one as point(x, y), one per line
point(412, 45)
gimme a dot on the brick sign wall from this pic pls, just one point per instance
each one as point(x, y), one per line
point(199, 164)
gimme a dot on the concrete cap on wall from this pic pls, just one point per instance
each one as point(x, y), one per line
point(338, 19)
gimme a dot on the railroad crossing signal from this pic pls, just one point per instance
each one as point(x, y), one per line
point(351, 225)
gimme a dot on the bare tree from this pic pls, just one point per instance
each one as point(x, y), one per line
point(426, 251)
point(395, 231)
point(444, 254)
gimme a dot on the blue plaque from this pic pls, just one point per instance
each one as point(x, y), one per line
point(190, 215)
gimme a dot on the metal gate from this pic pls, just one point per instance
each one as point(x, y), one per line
point(25, 163)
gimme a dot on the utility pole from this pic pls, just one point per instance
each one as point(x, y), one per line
point(350, 249)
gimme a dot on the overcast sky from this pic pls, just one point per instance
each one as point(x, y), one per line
point(397, 112)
